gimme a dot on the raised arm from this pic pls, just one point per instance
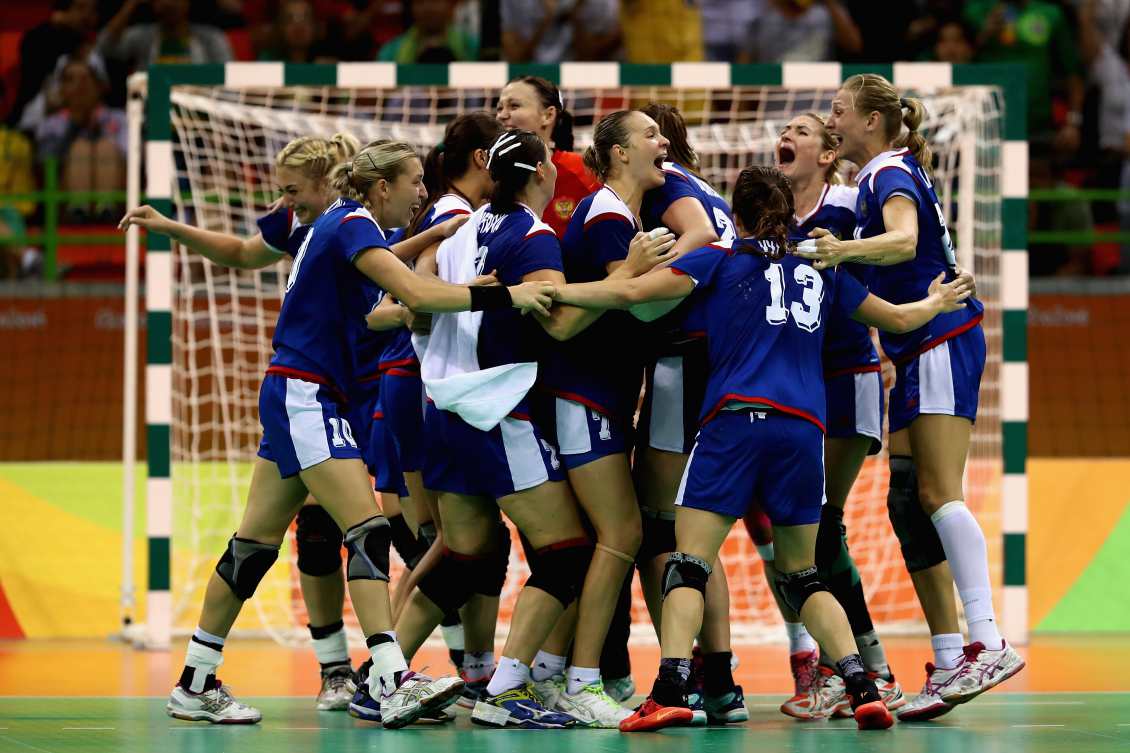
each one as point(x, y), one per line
point(612, 293)
point(898, 244)
point(907, 317)
point(221, 248)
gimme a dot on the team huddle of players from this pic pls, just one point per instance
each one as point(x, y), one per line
point(488, 357)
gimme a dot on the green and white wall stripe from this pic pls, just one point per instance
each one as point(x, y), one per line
point(1010, 79)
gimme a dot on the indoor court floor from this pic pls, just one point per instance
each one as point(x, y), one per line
point(59, 696)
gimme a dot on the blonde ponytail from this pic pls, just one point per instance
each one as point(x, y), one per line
point(379, 160)
point(874, 93)
point(913, 115)
point(316, 157)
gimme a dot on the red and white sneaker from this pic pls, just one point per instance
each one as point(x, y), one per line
point(982, 669)
point(651, 716)
point(825, 698)
point(803, 665)
point(929, 704)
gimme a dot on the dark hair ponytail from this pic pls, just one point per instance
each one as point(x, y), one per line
point(763, 203)
point(550, 96)
point(610, 131)
point(513, 160)
point(674, 129)
point(450, 159)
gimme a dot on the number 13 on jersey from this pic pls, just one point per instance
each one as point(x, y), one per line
point(805, 312)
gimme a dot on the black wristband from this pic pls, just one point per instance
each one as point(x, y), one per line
point(492, 297)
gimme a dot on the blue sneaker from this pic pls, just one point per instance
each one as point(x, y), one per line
point(728, 708)
point(698, 713)
point(364, 706)
point(518, 707)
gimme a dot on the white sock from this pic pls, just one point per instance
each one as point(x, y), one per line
point(203, 635)
point(964, 545)
point(332, 649)
point(478, 665)
point(388, 659)
point(874, 657)
point(799, 638)
point(578, 677)
point(546, 666)
point(510, 673)
point(202, 660)
point(947, 649)
point(453, 636)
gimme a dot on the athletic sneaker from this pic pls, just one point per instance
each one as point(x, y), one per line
point(651, 716)
point(889, 691)
point(337, 689)
point(982, 669)
point(472, 691)
point(620, 689)
point(593, 707)
point(728, 708)
point(866, 704)
point(698, 708)
point(417, 695)
point(519, 707)
point(549, 691)
point(928, 704)
point(825, 697)
point(217, 706)
point(803, 665)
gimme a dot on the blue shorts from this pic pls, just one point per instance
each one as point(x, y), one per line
point(672, 403)
point(749, 456)
point(509, 458)
point(855, 406)
point(580, 433)
point(385, 470)
point(945, 380)
point(402, 397)
point(303, 425)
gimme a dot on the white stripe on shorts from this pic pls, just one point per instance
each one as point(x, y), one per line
point(307, 424)
point(868, 405)
point(572, 427)
point(665, 432)
point(935, 381)
point(686, 473)
point(523, 454)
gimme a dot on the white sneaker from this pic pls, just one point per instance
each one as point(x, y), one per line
point(550, 691)
point(929, 704)
point(825, 698)
point(982, 669)
point(417, 695)
point(217, 706)
point(337, 690)
point(593, 707)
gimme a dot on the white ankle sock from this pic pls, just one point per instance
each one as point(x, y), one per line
point(578, 677)
point(388, 659)
point(799, 638)
point(453, 636)
point(510, 673)
point(332, 649)
point(964, 545)
point(478, 665)
point(874, 657)
point(202, 660)
point(947, 649)
point(546, 666)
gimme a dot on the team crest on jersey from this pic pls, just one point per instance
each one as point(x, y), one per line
point(564, 208)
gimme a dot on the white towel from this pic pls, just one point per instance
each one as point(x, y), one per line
point(449, 365)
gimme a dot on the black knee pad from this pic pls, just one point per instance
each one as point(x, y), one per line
point(559, 569)
point(658, 535)
point(244, 564)
point(830, 544)
point(492, 575)
point(685, 571)
point(318, 540)
point(368, 544)
point(796, 588)
point(410, 549)
point(450, 583)
point(918, 539)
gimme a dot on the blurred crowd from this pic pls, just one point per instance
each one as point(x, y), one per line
point(63, 68)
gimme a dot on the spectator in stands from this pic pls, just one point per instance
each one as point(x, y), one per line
point(953, 42)
point(432, 38)
point(297, 35)
point(724, 26)
point(71, 26)
point(87, 138)
point(661, 31)
point(801, 30)
point(1037, 34)
point(883, 29)
point(170, 39)
point(549, 31)
point(16, 176)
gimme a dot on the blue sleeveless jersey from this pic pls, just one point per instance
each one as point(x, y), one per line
point(765, 325)
point(897, 173)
